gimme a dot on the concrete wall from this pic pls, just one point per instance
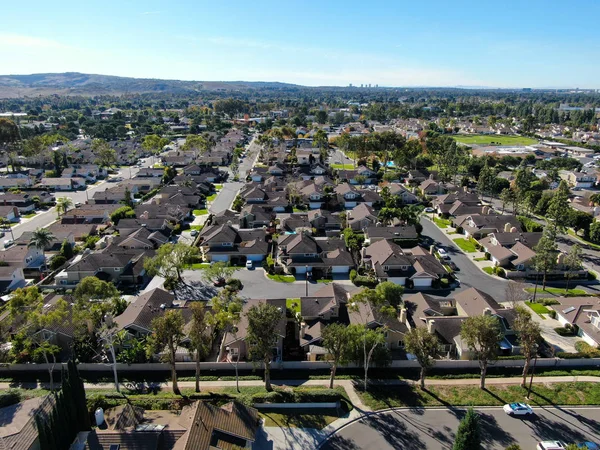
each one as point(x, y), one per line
point(296, 365)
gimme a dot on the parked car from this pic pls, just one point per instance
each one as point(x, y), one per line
point(518, 409)
point(429, 210)
point(194, 233)
point(442, 252)
point(249, 265)
point(453, 266)
point(551, 445)
point(8, 243)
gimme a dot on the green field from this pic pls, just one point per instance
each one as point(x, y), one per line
point(558, 291)
point(476, 139)
point(442, 223)
point(342, 166)
point(282, 278)
point(538, 308)
point(489, 270)
point(210, 198)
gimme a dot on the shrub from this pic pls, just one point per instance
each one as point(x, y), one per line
point(9, 398)
point(57, 262)
point(550, 301)
point(529, 224)
point(553, 314)
point(365, 281)
point(584, 347)
point(487, 256)
point(235, 284)
point(567, 330)
point(353, 275)
point(270, 263)
point(501, 272)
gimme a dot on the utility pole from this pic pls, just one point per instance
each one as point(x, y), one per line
point(306, 277)
point(532, 372)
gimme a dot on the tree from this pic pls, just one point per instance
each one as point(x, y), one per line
point(390, 293)
point(127, 198)
point(424, 345)
point(94, 289)
point(124, 212)
point(320, 140)
point(468, 434)
point(23, 302)
point(196, 143)
point(337, 342)
point(170, 260)
point(106, 156)
point(530, 335)
point(63, 204)
point(485, 182)
point(154, 143)
point(545, 257)
point(558, 210)
point(387, 215)
point(321, 116)
point(572, 262)
point(218, 272)
point(366, 304)
point(41, 238)
point(167, 335)
point(50, 319)
point(482, 334)
point(508, 197)
point(261, 338)
point(515, 293)
point(199, 335)
point(66, 250)
point(226, 309)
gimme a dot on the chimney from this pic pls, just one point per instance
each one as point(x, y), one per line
point(487, 312)
point(402, 316)
point(432, 249)
point(507, 227)
point(431, 326)
point(302, 329)
point(485, 210)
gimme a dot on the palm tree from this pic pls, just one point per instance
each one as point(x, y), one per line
point(41, 238)
point(63, 204)
point(595, 199)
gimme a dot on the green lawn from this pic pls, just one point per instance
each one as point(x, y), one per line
point(282, 278)
point(580, 393)
point(591, 244)
point(293, 304)
point(298, 210)
point(218, 187)
point(196, 227)
point(200, 212)
point(465, 245)
point(198, 266)
point(442, 223)
point(210, 198)
point(298, 420)
point(559, 291)
point(325, 280)
point(483, 258)
point(28, 216)
point(342, 166)
point(494, 140)
point(489, 270)
point(538, 308)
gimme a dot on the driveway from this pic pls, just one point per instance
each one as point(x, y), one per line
point(560, 343)
point(256, 285)
point(420, 429)
point(225, 197)
point(470, 275)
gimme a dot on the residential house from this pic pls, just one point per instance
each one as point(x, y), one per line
point(63, 184)
point(225, 243)
point(405, 235)
point(59, 236)
point(500, 245)
point(11, 277)
point(372, 317)
point(112, 196)
point(9, 213)
point(7, 183)
point(234, 345)
point(415, 177)
point(24, 256)
point(360, 217)
point(362, 174)
point(444, 203)
point(578, 180)
point(301, 253)
point(24, 201)
point(325, 222)
point(407, 197)
point(480, 225)
point(90, 213)
point(18, 429)
point(583, 313)
point(79, 231)
point(412, 268)
point(256, 216)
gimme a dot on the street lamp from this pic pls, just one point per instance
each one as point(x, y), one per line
point(306, 278)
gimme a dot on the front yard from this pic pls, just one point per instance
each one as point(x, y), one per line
point(442, 223)
point(282, 278)
point(558, 292)
point(211, 198)
point(538, 308)
point(200, 212)
point(465, 245)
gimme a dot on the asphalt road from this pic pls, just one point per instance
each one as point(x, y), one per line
point(338, 157)
point(420, 429)
point(469, 274)
point(47, 217)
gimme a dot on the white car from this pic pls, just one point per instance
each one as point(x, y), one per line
point(442, 252)
point(429, 210)
point(551, 445)
point(248, 264)
point(518, 409)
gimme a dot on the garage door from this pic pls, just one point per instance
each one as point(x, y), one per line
point(422, 282)
point(255, 257)
point(340, 269)
point(220, 258)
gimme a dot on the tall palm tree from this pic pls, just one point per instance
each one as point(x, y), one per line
point(41, 238)
point(63, 204)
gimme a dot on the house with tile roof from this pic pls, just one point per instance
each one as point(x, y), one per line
point(226, 243)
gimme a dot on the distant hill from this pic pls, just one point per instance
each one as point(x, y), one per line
point(74, 83)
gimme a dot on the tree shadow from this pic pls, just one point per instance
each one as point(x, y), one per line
point(338, 442)
point(546, 429)
point(445, 435)
point(491, 433)
point(395, 431)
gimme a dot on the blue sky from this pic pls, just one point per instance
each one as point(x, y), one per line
point(526, 43)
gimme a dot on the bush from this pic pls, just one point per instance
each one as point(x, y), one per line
point(353, 275)
point(57, 262)
point(529, 224)
point(9, 398)
point(567, 330)
point(584, 347)
point(550, 301)
point(552, 314)
point(365, 281)
point(235, 284)
point(500, 272)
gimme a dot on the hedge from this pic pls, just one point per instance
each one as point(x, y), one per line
point(9, 398)
point(296, 396)
point(565, 331)
point(365, 281)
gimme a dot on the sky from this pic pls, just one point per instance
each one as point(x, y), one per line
point(525, 43)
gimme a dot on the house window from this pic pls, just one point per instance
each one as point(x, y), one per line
point(227, 244)
point(386, 268)
point(520, 267)
point(401, 344)
point(116, 269)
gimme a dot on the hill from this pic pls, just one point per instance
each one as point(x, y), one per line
point(74, 83)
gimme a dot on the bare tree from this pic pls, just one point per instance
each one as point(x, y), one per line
point(515, 293)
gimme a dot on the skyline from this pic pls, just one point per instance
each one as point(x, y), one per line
point(396, 44)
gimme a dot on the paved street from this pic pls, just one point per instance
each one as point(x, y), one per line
point(420, 429)
point(469, 274)
point(256, 285)
point(338, 157)
point(47, 217)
